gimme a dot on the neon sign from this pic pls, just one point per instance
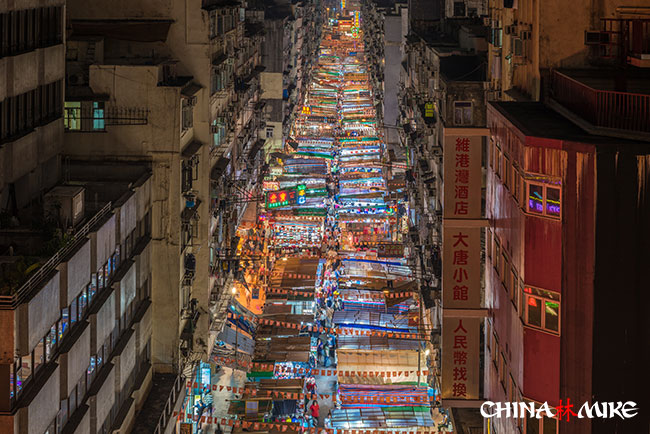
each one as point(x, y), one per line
point(290, 196)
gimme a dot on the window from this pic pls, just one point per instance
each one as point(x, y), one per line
point(459, 9)
point(23, 371)
point(91, 371)
point(72, 116)
point(544, 425)
point(92, 288)
point(542, 309)
point(553, 201)
point(219, 131)
point(63, 324)
point(462, 113)
point(187, 118)
point(62, 416)
point(535, 198)
point(506, 172)
point(269, 132)
point(39, 355)
point(497, 255)
point(83, 302)
point(488, 242)
point(50, 343)
point(72, 400)
point(73, 312)
point(516, 181)
point(51, 429)
point(492, 151)
point(497, 160)
point(544, 200)
point(98, 116)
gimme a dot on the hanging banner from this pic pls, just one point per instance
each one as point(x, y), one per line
point(461, 268)
point(463, 177)
point(460, 358)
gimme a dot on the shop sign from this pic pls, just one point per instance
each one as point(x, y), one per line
point(462, 175)
point(275, 199)
point(461, 268)
point(460, 358)
point(428, 110)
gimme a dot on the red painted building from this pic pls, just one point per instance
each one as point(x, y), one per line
point(567, 277)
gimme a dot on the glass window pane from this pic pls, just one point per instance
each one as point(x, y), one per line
point(73, 312)
point(72, 115)
point(39, 355)
point(63, 324)
point(83, 302)
point(551, 316)
point(532, 424)
point(534, 311)
point(24, 373)
point(553, 201)
point(550, 425)
point(535, 198)
point(98, 116)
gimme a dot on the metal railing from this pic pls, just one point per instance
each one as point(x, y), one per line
point(602, 108)
point(13, 300)
point(168, 410)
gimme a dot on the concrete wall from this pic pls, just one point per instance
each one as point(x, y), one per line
point(43, 409)
point(78, 273)
point(77, 360)
point(104, 322)
point(106, 241)
point(119, 9)
point(128, 217)
point(105, 398)
point(37, 316)
point(23, 161)
point(127, 361)
point(127, 289)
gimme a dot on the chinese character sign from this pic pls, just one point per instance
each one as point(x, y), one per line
point(462, 177)
point(460, 358)
point(461, 268)
point(275, 199)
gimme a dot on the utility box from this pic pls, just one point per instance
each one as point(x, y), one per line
point(66, 205)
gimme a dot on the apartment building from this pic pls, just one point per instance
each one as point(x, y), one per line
point(32, 72)
point(564, 206)
point(76, 306)
point(292, 31)
point(385, 28)
point(174, 85)
point(527, 40)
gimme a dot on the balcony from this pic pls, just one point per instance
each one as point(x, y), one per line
point(624, 39)
point(596, 97)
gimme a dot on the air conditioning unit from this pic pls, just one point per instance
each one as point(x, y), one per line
point(487, 21)
point(76, 79)
point(65, 204)
point(596, 38)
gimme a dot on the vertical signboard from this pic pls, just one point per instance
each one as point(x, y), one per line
point(461, 263)
point(461, 268)
point(460, 358)
point(462, 177)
